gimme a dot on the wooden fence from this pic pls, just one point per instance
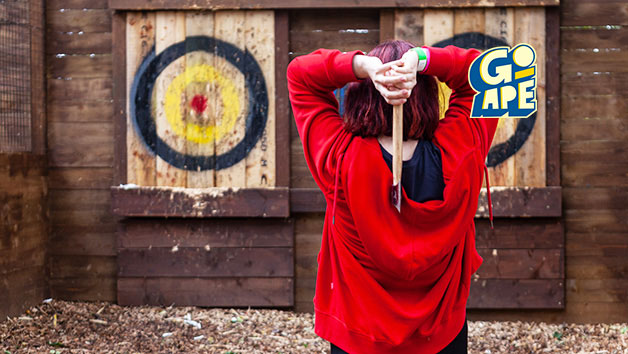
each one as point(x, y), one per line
point(589, 237)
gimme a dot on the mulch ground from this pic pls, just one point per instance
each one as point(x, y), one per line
point(56, 327)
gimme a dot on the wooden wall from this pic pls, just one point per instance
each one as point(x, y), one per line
point(593, 155)
point(80, 149)
point(23, 232)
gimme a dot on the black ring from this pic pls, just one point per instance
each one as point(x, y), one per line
point(142, 92)
point(502, 151)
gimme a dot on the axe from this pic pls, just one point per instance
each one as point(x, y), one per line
point(397, 138)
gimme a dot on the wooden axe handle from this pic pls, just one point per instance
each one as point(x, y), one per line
point(397, 137)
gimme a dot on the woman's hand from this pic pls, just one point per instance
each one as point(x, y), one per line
point(394, 80)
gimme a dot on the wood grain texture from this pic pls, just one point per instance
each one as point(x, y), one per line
point(213, 292)
point(282, 103)
point(229, 26)
point(521, 264)
point(216, 202)
point(307, 4)
point(259, 33)
point(169, 29)
point(140, 39)
point(119, 99)
point(205, 262)
point(517, 294)
point(499, 23)
point(197, 24)
point(201, 233)
point(408, 26)
point(552, 78)
point(530, 160)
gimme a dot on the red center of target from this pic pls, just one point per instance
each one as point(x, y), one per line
point(199, 103)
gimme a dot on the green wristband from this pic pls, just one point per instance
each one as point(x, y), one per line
point(422, 58)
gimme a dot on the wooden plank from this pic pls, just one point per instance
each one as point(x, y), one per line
point(201, 262)
point(77, 241)
point(79, 66)
point(169, 29)
point(76, 4)
point(84, 289)
point(259, 39)
point(507, 201)
point(576, 128)
point(519, 294)
point(521, 264)
point(594, 84)
point(304, 42)
point(75, 43)
point(585, 37)
point(119, 99)
point(80, 178)
point(140, 39)
point(93, 111)
point(597, 267)
point(552, 78)
point(212, 202)
point(21, 290)
point(593, 12)
point(521, 202)
point(282, 103)
point(66, 267)
point(585, 197)
point(530, 160)
point(438, 25)
point(608, 220)
point(597, 244)
point(229, 134)
point(80, 144)
point(197, 24)
point(594, 61)
point(469, 20)
point(597, 290)
point(408, 26)
point(79, 20)
point(536, 233)
point(81, 89)
point(212, 292)
point(200, 233)
point(386, 25)
point(306, 4)
point(500, 23)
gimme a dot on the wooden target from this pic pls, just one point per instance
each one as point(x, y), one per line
point(200, 99)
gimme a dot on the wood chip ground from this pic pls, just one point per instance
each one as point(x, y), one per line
point(56, 327)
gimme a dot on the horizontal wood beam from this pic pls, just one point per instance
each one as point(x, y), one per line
point(517, 294)
point(308, 4)
point(507, 201)
point(131, 200)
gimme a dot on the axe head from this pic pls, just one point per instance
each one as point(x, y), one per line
point(395, 196)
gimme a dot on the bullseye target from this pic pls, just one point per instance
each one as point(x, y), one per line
point(200, 131)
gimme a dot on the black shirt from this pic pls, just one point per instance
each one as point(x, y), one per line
point(422, 175)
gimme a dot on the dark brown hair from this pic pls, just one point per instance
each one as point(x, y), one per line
point(368, 114)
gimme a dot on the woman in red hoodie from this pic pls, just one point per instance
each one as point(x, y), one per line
point(391, 282)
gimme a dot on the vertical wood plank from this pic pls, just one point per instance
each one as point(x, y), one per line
point(197, 24)
point(499, 23)
point(530, 159)
point(229, 27)
point(468, 20)
point(282, 104)
point(120, 112)
point(552, 82)
point(260, 42)
point(438, 25)
point(409, 26)
point(386, 25)
point(140, 38)
point(170, 29)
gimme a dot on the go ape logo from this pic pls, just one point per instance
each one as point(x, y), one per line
point(505, 82)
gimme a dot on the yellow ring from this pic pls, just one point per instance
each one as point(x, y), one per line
point(193, 132)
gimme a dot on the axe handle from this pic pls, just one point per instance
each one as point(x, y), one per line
point(397, 137)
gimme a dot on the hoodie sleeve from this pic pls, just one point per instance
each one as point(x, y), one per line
point(451, 66)
point(312, 79)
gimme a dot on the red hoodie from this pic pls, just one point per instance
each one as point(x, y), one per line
point(388, 281)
